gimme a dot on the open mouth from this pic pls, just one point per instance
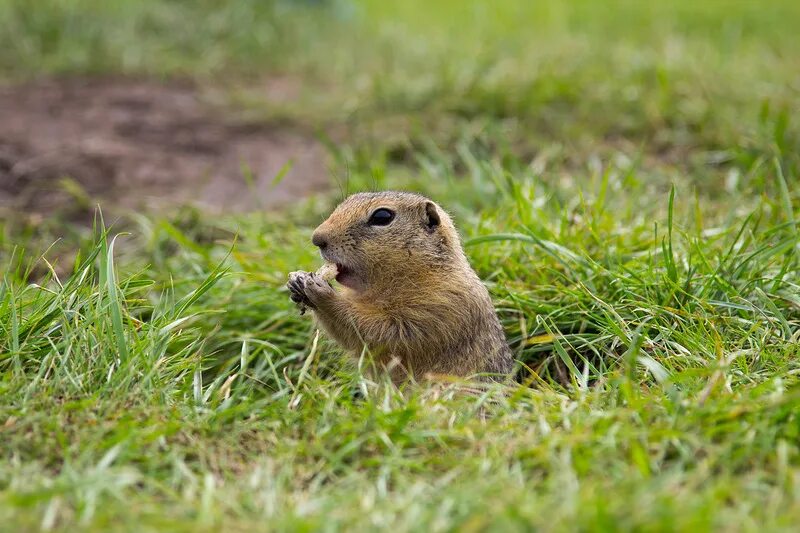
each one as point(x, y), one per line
point(341, 271)
point(345, 276)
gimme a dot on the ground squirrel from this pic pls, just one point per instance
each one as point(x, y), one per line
point(407, 292)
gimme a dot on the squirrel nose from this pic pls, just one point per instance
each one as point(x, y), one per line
point(319, 239)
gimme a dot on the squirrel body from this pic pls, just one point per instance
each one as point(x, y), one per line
point(408, 293)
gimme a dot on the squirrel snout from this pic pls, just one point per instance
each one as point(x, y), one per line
point(319, 240)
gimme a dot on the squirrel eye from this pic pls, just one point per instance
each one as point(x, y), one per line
point(381, 217)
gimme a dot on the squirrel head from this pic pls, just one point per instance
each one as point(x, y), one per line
point(382, 239)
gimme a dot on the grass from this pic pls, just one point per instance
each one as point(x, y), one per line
point(625, 179)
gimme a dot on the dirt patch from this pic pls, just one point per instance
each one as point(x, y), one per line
point(140, 144)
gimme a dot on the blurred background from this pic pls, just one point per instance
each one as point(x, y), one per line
point(249, 105)
point(624, 177)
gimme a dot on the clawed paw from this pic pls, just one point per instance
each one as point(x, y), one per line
point(297, 292)
point(307, 289)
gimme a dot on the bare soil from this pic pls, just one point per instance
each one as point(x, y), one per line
point(67, 144)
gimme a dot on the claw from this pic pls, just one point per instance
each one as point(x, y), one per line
point(295, 287)
point(297, 294)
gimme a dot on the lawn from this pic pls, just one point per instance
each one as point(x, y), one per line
point(625, 178)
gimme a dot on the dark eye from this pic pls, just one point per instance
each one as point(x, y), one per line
point(381, 217)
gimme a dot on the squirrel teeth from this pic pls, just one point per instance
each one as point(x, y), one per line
point(328, 271)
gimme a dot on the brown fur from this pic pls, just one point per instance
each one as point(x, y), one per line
point(416, 303)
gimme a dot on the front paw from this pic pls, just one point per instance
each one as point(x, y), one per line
point(307, 289)
point(317, 290)
point(297, 289)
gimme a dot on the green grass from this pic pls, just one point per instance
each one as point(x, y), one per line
point(625, 179)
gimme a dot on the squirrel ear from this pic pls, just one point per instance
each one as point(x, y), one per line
point(432, 216)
